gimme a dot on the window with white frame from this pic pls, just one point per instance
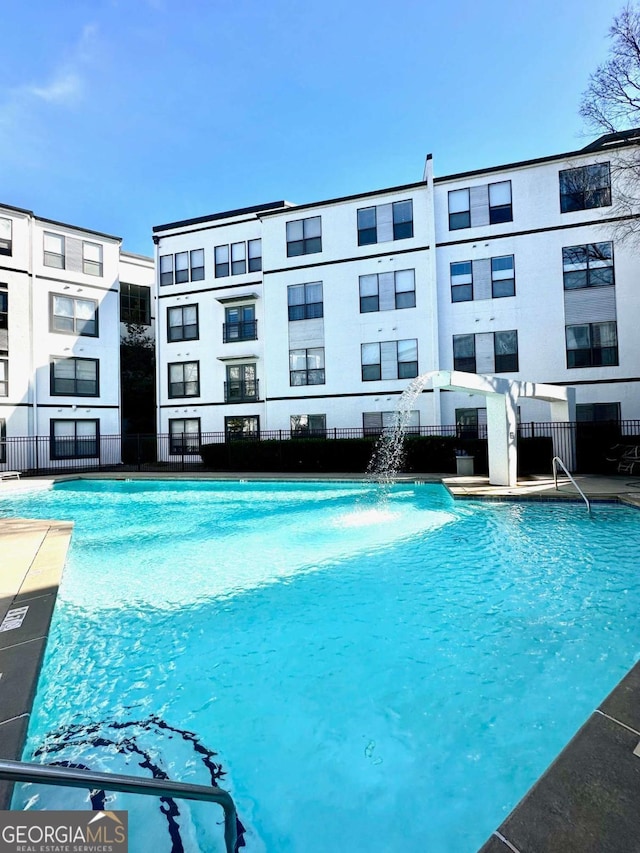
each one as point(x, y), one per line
point(585, 187)
point(184, 436)
point(184, 379)
point(385, 222)
point(54, 246)
point(182, 267)
point(91, 258)
point(182, 323)
point(588, 266)
point(592, 344)
point(485, 204)
point(389, 360)
point(304, 236)
point(6, 236)
point(73, 316)
point(4, 377)
point(306, 366)
point(375, 423)
point(74, 439)
point(75, 377)
point(305, 301)
point(308, 426)
point(386, 291)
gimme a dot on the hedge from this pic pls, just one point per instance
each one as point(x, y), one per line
point(421, 454)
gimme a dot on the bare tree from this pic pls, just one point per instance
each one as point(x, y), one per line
point(612, 100)
point(611, 104)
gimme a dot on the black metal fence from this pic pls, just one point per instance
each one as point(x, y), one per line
point(584, 447)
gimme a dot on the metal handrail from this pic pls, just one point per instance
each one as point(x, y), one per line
point(557, 461)
point(69, 777)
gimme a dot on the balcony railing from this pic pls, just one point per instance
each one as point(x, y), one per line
point(241, 391)
point(245, 331)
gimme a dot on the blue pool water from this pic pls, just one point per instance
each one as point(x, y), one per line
point(369, 677)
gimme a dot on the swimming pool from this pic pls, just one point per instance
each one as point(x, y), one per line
point(375, 677)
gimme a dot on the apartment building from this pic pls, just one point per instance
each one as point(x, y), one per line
point(60, 337)
point(311, 317)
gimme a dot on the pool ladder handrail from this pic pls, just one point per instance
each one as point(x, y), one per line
point(69, 777)
point(557, 461)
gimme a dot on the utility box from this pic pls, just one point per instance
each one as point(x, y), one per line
point(464, 466)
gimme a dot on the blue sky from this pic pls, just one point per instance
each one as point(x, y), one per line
point(118, 115)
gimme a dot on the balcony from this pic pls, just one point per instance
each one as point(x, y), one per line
point(245, 331)
point(240, 391)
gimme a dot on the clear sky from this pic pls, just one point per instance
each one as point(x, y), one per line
point(117, 115)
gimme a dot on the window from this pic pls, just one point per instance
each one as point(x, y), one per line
point(374, 423)
point(503, 277)
point(4, 312)
point(241, 385)
point(3, 440)
point(461, 281)
point(54, 250)
point(184, 379)
point(74, 377)
point(304, 236)
point(73, 316)
point(306, 366)
point(385, 222)
point(386, 291)
point(505, 348)
point(221, 261)
point(487, 352)
point(597, 412)
point(74, 439)
point(135, 304)
point(500, 203)
point(242, 429)
point(6, 236)
point(585, 187)
point(92, 258)
point(4, 377)
point(240, 324)
point(182, 323)
point(182, 267)
point(184, 435)
point(255, 255)
point(592, 345)
point(588, 266)
point(468, 421)
point(232, 260)
point(308, 426)
point(485, 204)
point(389, 360)
point(485, 278)
point(305, 301)
point(464, 353)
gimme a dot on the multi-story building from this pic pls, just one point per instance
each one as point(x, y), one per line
point(60, 338)
point(311, 317)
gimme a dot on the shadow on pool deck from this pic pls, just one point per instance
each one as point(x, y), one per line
point(586, 802)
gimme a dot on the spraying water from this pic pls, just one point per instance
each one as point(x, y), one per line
point(388, 454)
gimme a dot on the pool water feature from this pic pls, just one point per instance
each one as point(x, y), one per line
point(363, 677)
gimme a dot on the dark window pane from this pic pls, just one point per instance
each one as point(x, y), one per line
point(459, 220)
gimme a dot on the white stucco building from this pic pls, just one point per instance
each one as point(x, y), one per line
point(59, 339)
point(291, 318)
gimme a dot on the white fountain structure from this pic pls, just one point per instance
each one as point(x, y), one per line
point(502, 396)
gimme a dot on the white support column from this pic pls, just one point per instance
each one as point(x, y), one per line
point(501, 439)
